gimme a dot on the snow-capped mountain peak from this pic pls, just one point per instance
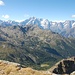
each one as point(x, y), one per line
point(58, 27)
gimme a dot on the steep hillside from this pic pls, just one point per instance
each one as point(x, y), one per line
point(32, 46)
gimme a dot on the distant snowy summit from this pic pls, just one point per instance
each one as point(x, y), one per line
point(66, 28)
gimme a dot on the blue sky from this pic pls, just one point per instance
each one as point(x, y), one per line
point(54, 10)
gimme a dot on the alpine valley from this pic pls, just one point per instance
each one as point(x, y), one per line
point(37, 43)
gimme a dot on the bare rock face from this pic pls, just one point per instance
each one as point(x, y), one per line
point(66, 66)
point(10, 68)
point(73, 73)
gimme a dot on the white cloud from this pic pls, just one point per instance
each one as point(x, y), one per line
point(1, 3)
point(73, 16)
point(5, 16)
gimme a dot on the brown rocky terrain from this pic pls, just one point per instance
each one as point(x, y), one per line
point(10, 68)
point(64, 67)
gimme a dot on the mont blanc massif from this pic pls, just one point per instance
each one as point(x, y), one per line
point(37, 47)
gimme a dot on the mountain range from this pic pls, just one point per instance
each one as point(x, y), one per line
point(33, 46)
point(38, 43)
point(66, 28)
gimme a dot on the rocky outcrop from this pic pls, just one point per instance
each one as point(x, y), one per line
point(73, 73)
point(65, 66)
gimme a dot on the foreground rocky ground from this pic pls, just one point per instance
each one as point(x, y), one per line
point(10, 68)
point(63, 67)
